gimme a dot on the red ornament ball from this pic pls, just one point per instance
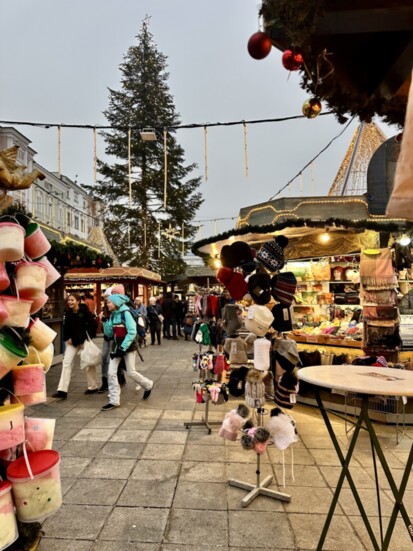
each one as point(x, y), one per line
point(292, 60)
point(259, 45)
point(312, 108)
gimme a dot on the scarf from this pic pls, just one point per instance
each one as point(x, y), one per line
point(376, 270)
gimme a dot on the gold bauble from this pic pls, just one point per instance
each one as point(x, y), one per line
point(311, 108)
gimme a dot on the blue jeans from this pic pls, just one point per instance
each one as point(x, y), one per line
point(105, 357)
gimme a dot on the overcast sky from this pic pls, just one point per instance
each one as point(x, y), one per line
point(58, 58)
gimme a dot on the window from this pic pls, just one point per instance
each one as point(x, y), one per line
point(69, 219)
point(76, 197)
point(76, 222)
point(82, 225)
point(39, 201)
point(60, 214)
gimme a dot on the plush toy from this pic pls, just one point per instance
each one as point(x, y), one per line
point(233, 422)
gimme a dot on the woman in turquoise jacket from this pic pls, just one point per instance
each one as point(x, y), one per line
point(121, 327)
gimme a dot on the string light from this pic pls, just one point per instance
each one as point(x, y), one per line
point(165, 154)
point(206, 152)
point(94, 156)
point(245, 150)
point(58, 151)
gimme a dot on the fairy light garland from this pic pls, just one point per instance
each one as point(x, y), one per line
point(165, 160)
point(59, 172)
point(94, 156)
point(206, 152)
point(245, 149)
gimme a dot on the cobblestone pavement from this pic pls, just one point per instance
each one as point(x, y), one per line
point(134, 478)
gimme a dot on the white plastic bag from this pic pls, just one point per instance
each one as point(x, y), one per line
point(91, 355)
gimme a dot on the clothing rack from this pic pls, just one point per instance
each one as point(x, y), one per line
point(260, 487)
point(204, 421)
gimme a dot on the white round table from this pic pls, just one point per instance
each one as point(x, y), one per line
point(365, 381)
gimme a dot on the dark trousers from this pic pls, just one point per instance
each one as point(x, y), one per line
point(170, 322)
point(155, 329)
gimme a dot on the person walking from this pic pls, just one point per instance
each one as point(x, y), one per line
point(155, 318)
point(78, 323)
point(169, 310)
point(121, 327)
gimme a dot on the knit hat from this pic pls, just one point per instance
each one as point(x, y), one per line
point(271, 255)
point(287, 386)
point(233, 281)
point(235, 348)
point(259, 287)
point(233, 422)
point(283, 429)
point(236, 255)
point(254, 389)
point(286, 353)
point(118, 289)
point(231, 318)
point(262, 354)
point(261, 438)
point(282, 318)
point(258, 320)
point(283, 287)
point(118, 300)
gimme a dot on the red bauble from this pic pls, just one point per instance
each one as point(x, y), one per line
point(259, 45)
point(292, 60)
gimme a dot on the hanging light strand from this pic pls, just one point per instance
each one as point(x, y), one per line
point(59, 131)
point(206, 152)
point(301, 184)
point(165, 160)
point(245, 149)
point(312, 177)
point(129, 168)
point(94, 156)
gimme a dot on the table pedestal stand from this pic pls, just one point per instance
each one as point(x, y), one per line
point(259, 488)
point(204, 422)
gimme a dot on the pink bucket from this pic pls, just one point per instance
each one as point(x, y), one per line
point(38, 303)
point(41, 334)
point(37, 492)
point(4, 278)
point(44, 357)
point(28, 379)
point(18, 311)
point(8, 525)
point(30, 279)
point(11, 425)
point(11, 242)
point(52, 274)
point(35, 242)
point(39, 433)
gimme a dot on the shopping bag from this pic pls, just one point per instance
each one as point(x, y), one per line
point(91, 355)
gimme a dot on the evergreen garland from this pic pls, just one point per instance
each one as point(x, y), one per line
point(72, 255)
point(357, 226)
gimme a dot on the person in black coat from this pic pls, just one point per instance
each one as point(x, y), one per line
point(153, 313)
point(180, 314)
point(169, 309)
point(78, 323)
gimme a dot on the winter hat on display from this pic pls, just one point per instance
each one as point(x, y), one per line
point(235, 348)
point(233, 422)
point(282, 321)
point(254, 389)
point(282, 428)
point(247, 440)
point(271, 255)
point(262, 348)
point(259, 287)
point(249, 342)
point(236, 255)
point(286, 353)
point(234, 282)
point(118, 289)
point(258, 320)
point(231, 318)
point(283, 287)
point(261, 438)
point(286, 390)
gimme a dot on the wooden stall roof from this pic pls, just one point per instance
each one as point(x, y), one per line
point(112, 274)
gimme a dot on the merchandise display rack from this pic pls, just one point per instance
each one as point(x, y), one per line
point(260, 487)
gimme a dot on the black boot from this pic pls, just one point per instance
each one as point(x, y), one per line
point(104, 385)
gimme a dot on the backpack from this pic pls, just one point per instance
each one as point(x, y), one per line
point(135, 318)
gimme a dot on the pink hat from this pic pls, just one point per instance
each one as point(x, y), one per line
point(118, 289)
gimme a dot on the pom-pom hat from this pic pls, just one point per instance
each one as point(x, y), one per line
point(259, 287)
point(271, 255)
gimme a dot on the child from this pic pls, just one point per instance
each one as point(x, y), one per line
point(121, 327)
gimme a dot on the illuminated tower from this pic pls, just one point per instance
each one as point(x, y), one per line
point(351, 178)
